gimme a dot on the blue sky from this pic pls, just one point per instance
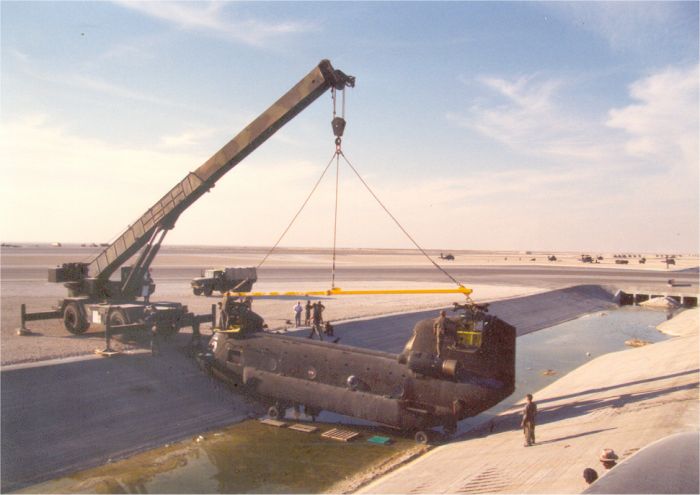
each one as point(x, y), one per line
point(523, 125)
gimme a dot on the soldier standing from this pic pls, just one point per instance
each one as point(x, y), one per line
point(440, 327)
point(317, 320)
point(528, 422)
point(146, 288)
point(307, 320)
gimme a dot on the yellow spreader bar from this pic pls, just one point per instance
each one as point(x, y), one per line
point(340, 292)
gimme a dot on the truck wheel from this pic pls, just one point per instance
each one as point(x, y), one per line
point(197, 292)
point(73, 319)
point(207, 291)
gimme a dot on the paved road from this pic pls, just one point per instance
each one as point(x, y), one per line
point(63, 417)
point(538, 276)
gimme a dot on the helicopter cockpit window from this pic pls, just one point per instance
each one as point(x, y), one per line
point(469, 332)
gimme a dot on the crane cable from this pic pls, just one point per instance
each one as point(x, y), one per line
point(369, 189)
point(297, 213)
point(338, 129)
point(338, 124)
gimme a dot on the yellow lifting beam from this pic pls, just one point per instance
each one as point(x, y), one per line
point(340, 292)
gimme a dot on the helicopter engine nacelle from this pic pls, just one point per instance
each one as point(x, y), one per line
point(428, 364)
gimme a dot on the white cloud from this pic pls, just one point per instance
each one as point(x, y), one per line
point(634, 167)
point(530, 121)
point(188, 138)
point(623, 25)
point(663, 123)
point(211, 18)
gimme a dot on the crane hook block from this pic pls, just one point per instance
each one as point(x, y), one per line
point(338, 124)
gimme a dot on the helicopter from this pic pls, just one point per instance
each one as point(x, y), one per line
point(414, 391)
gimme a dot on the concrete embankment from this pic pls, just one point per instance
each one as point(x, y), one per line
point(624, 401)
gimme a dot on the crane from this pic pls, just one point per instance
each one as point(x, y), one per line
point(92, 295)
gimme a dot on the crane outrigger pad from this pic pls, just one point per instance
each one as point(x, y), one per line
point(340, 292)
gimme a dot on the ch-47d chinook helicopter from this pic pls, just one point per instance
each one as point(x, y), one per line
point(413, 391)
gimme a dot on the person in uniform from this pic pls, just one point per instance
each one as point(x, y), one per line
point(608, 458)
point(307, 316)
point(317, 311)
point(440, 329)
point(528, 422)
point(146, 288)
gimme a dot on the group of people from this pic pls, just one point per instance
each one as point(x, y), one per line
point(608, 457)
point(314, 318)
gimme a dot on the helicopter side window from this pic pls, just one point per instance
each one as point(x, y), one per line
point(234, 356)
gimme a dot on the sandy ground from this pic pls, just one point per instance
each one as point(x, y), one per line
point(24, 273)
point(623, 401)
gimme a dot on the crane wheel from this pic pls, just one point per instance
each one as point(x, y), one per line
point(73, 319)
point(117, 318)
point(197, 292)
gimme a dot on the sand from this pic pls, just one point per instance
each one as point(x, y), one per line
point(24, 280)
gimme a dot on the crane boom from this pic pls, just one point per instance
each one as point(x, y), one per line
point(93, 279)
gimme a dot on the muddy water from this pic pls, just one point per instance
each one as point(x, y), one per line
point(249, 457)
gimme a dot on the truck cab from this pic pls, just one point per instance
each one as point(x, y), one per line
point(224, 280)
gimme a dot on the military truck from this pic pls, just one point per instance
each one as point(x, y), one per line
point(224, 280)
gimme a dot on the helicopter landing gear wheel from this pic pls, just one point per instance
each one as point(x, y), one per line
point(276, 411)
point(422, 437)
point(73, 319)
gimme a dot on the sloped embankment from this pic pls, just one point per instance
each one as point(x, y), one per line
point(531, 313)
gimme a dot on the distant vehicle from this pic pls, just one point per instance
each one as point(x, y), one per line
point(599, 258)
point(642, 261)
point(413, 391)
point(622, 262)
point(448, 257)
point(552, 258)
point(586, 258)
point(56, 244)
point(224, 280)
